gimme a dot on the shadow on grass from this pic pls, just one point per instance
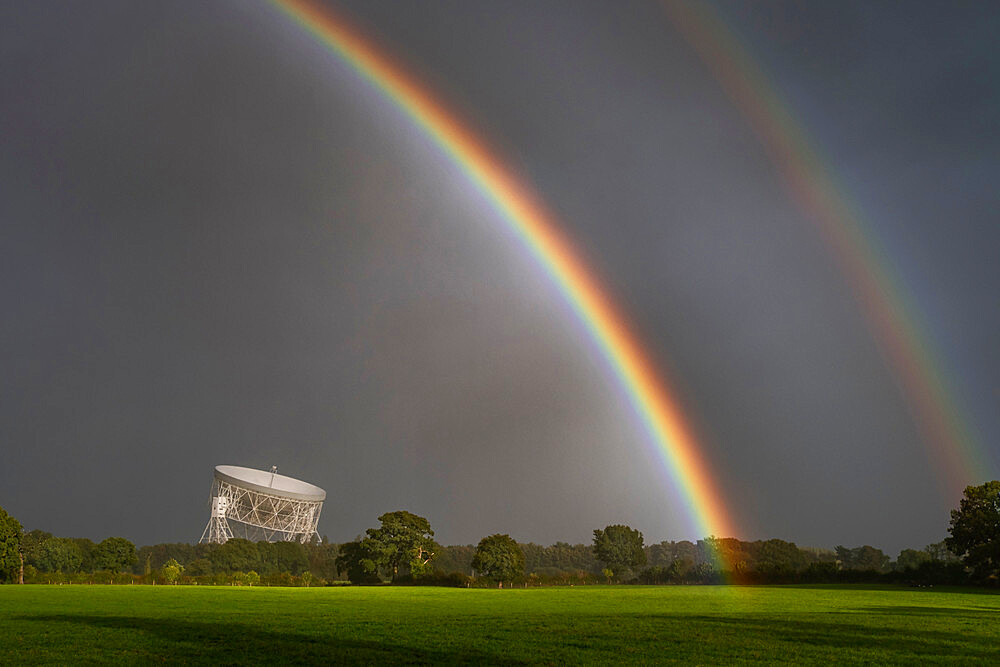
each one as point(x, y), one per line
point(639, 638)
point(837, 634)
point(977, 612)
point(178, 640)
point(898, 588)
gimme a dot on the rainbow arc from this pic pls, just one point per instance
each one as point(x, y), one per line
point(951, 445)
point(652, 399)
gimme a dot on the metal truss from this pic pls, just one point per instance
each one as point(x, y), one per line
point(259, 516)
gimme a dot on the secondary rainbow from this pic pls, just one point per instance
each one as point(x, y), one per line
point(653, 401)
point(951, 445)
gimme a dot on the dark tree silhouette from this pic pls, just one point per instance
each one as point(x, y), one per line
point(975, 530)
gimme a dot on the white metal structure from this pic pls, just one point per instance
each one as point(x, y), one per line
point(263, 505)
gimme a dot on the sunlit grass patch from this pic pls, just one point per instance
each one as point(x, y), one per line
point(592, 624)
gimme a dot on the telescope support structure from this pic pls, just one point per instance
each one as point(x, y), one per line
point(258, 514)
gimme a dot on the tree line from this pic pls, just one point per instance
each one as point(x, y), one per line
point(50, 559)
point(402, 550)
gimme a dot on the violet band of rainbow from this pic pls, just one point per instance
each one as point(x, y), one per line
point(652, 400)
point(951, 445)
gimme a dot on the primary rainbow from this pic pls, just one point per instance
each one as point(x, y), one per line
point(652, 400)
point(951, 445)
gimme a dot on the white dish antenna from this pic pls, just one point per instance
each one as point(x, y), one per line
point(262, 505)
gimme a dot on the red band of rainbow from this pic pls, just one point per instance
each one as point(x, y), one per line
point(951, 446)
point(658, 408)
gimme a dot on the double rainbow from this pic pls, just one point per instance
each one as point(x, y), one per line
point(652, 400)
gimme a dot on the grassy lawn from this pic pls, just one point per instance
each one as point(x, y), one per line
point(594, 624)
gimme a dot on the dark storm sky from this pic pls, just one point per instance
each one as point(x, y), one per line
point(219, 245)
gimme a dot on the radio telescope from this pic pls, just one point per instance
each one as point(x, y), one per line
point(262, 505)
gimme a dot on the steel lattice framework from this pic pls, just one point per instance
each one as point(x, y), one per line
point(285, 509)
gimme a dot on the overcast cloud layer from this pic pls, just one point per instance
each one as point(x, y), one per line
point(218, 245)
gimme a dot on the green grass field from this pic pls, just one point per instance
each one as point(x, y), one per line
point(593, 624)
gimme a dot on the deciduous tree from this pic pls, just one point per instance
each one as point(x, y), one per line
point(778, 558)
point(31, 544)
point(88, 553)
point(354, 561)
point(11, 558)
point(620, 548)
point(59, 554)
point(499, 558)
point(115, 554)
point(282, 557)
point(236, 555)
point(404, 540)
point(172, 571)
point(975, 529)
